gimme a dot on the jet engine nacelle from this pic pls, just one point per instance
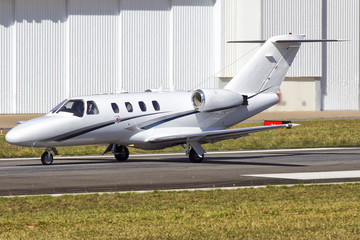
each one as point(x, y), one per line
point(207, 100)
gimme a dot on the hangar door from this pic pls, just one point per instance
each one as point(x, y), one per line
point(32, 60)
point(167, 43)
point(54, 49)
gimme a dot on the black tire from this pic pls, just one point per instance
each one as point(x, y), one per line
point(194, 157)
point(121, 153)
point(47, 158)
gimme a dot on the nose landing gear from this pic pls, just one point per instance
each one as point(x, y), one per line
point(47, 158)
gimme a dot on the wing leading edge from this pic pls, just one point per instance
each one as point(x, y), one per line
point(218, 135)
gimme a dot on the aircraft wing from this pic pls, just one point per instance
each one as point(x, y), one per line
point(218, 135)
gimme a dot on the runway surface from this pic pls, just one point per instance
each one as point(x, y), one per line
point(174, 171)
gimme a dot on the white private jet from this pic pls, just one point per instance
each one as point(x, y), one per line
point(156, 120)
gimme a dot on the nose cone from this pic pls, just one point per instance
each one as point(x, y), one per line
point(12, 137)
point(30, 133)
point(18, 136)
point(37, 132)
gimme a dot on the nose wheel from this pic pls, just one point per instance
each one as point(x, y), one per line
point(47, 157)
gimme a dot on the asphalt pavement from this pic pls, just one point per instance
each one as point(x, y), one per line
point(174, 171)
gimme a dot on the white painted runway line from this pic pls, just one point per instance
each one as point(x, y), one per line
point(183, 154)
point(177, 190)
point(311, 175)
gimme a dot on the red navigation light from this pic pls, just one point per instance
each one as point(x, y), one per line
point(272, 122)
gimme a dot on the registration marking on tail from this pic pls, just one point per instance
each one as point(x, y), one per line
point(311, 175)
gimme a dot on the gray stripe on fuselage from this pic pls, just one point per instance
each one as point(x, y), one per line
point(81, 131)
point(78, 132)
point(167, 119)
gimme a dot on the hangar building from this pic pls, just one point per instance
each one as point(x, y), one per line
point(54, 49)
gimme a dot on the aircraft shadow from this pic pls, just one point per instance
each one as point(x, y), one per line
point(231, 160)
point(73, 161)
point(227, 160)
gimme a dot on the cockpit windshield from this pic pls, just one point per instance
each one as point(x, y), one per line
point(57, 106)
point(73, 106)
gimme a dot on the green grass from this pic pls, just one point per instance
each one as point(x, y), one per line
point(337, 133)
point(299, 212)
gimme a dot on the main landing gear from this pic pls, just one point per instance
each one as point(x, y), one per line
point(194, 157)
point(47, 157)
point(121, 153)
point(195, 151)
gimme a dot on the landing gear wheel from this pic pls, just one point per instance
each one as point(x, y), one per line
point(194, 157)
point(121, 153)
point(47, 158)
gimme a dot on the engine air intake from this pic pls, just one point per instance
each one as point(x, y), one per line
point(207, 100)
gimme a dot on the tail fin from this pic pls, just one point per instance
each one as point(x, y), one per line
point(267, 69)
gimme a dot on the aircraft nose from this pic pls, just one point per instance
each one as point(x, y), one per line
point(21, 135)
point(13, 137)
point(33, 132)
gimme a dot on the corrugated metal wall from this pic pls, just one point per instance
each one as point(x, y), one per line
point(193, 44)
point(93, 46)
point(53, 49)
point(298, 17)
point(243, 21)
point(145, 44)
point(342, 80)
point(7, 57)
point(40, 62)
point(337, 64)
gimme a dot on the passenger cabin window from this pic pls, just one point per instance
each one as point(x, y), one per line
point(129, 107)
point(156, 105)
point(76, 107)
point(115, 107)
point(92, 108)
point(142, 106)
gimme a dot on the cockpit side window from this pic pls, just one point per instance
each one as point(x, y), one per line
point(115, 107)
point(92, 108)
point(73, 106)
point(128, 106)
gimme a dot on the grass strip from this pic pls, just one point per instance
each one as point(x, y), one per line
point(298, 212)
point(335, 133)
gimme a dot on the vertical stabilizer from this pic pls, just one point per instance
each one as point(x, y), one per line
point(267, 68)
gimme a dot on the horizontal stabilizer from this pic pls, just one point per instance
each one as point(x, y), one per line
point(292, 40)
point(248, 41)
point(311, 40)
